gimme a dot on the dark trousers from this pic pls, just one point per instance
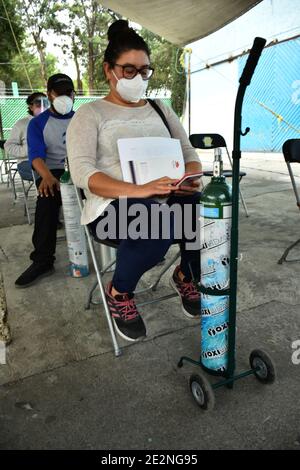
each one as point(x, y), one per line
point(45, 225)
point(135, 257)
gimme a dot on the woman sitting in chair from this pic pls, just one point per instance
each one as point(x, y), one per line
point(95, 167)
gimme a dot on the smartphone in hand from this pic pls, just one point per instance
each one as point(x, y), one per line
point(188, 178)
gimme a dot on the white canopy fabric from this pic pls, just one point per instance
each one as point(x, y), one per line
point(181, 21)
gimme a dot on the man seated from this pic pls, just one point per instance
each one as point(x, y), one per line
point(46, 138)
point(16, 144)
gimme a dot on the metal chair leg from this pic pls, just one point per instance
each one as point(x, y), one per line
point(90, 296)
point(154, 285)
point(151, 287)
point(12, 182)
point(286, 252)
point(1, 170)
point(293, 184)
point(244, 204)
point(91, 292)
point(117, 349)
point(240, 191)
point(25, 192)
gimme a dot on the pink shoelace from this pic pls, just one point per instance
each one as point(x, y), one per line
point(189, 291)
point(128, 309)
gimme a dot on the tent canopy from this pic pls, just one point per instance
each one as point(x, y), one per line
point(181, 21)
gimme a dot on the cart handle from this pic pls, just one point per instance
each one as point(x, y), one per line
point(253, 58)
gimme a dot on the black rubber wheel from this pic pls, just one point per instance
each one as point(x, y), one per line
point(180, 364)
point(202, 392)
point(266, 373)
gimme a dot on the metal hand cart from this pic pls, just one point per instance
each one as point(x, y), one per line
point(261, 365)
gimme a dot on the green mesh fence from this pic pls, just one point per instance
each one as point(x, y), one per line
point(12, 109)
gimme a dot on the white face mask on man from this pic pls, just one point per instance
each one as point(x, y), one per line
point(63, 104)
point(131, 90)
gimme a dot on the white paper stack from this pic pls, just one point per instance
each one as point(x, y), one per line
point(144, 159)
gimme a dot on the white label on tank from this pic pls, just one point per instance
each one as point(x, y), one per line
point(215, 252)
point(227, 212)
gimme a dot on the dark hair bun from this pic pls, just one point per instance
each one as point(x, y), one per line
point(116, 28)
point(122, 38)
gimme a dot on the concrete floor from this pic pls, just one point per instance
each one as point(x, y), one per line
point(63, 388)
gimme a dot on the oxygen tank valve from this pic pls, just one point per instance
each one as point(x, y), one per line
point(218, 163)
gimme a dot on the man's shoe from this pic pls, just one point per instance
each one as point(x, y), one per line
point(188, 293)
point(34, 273)
point(126, 318)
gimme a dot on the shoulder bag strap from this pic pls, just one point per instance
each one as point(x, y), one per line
point(160, 112)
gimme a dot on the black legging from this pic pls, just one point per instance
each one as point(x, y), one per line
point(135, 257)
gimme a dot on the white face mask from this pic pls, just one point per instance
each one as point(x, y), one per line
point(131, 90)
point(63, 104)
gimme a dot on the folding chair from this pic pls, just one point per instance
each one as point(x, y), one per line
point(2, 158)
point(10, 169)
point(8, 165)
point(212, 141)
point(23, 170)
point(26, 175)
point(104, 269)
point(291, 153)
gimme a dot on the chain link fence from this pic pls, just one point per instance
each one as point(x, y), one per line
point(14, 108)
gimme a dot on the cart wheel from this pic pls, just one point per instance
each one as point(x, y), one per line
point(180, 363)
point(266, 373)
point(202, 392)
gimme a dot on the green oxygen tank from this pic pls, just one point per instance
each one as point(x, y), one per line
point(76, 240)
point(215, 227)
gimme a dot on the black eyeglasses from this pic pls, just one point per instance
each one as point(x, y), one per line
point(130, 71)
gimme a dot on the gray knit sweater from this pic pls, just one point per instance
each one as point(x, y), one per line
point(92, 142)
point(16, 144)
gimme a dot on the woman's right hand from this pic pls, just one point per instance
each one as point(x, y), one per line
point(160, 187)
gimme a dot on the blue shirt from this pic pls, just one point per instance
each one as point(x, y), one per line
point(46, 138)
